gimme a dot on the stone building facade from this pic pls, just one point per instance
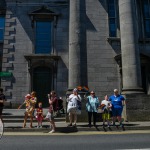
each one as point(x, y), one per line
point(61, 44)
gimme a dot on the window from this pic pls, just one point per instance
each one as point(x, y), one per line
point(43, 37)
point(146, 17)
point(112, 14)
point(2, 26)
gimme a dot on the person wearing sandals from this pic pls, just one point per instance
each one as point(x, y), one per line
point(72, 107)
point(92, 107)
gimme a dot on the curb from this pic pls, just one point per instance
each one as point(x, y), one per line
point(76, 129)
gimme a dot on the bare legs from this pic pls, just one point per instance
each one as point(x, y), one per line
point(71, 117)
point(119, 120)
point(25, 120)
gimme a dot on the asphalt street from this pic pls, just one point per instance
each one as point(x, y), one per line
point(139, 140)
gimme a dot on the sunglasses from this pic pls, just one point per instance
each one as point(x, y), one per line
point(92, 93)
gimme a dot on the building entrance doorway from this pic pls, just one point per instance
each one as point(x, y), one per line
point(42, 84)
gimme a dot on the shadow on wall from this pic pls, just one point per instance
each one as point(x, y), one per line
point(104, 4)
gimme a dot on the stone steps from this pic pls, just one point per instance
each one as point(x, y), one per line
point(15, 120)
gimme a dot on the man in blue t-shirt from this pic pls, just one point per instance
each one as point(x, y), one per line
point(117, 101)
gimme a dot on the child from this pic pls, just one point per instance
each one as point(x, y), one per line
point(106, 106)
point(39, 115)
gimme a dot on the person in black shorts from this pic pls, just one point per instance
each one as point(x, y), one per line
point(2, 99)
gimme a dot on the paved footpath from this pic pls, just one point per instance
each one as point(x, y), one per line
point(15, 125)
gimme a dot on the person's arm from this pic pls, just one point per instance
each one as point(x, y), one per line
point(79, 98)
point(110, 105)
point(97, 102)
point(123, 102)
point(51, 101)
point(3, 99)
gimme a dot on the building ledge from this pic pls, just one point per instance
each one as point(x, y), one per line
point(144, 40)
point(113, 39)
point(41, 56)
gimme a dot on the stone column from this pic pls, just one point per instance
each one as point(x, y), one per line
point(131, 66)
point(77, 44)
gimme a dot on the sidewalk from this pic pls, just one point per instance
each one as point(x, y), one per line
point(13, 121)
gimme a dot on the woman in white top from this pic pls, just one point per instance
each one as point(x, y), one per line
point(73, 106)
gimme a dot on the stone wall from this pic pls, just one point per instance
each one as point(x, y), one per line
point(137, 107)
point(103, 71)
point(19, 41)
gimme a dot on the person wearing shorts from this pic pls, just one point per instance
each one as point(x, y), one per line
point(53, 103)
point(117, 101)
point(2, 99)
point(73, 107)
point(106, 107)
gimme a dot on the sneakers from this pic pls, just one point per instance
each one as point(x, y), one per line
point(114, 124)
point(39, 126)
point(121, 125)
point(53, 131)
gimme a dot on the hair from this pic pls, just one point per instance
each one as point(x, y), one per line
point(40, 103)
point(53, 92)
point(75, 90)
point(92, 92)
point(106, 97)
point(28, 95)
point(1, 89)
point(115, 90)
point(33, 93)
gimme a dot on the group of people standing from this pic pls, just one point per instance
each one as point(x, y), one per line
point(30, 111)
point(111, 107)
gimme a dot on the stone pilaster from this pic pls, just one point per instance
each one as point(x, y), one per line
point(129, 47)
point(77, 44)
point(8, 53)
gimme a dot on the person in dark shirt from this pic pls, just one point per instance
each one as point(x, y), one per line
point(2, 99)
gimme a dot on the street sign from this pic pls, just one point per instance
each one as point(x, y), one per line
point(5, 74)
